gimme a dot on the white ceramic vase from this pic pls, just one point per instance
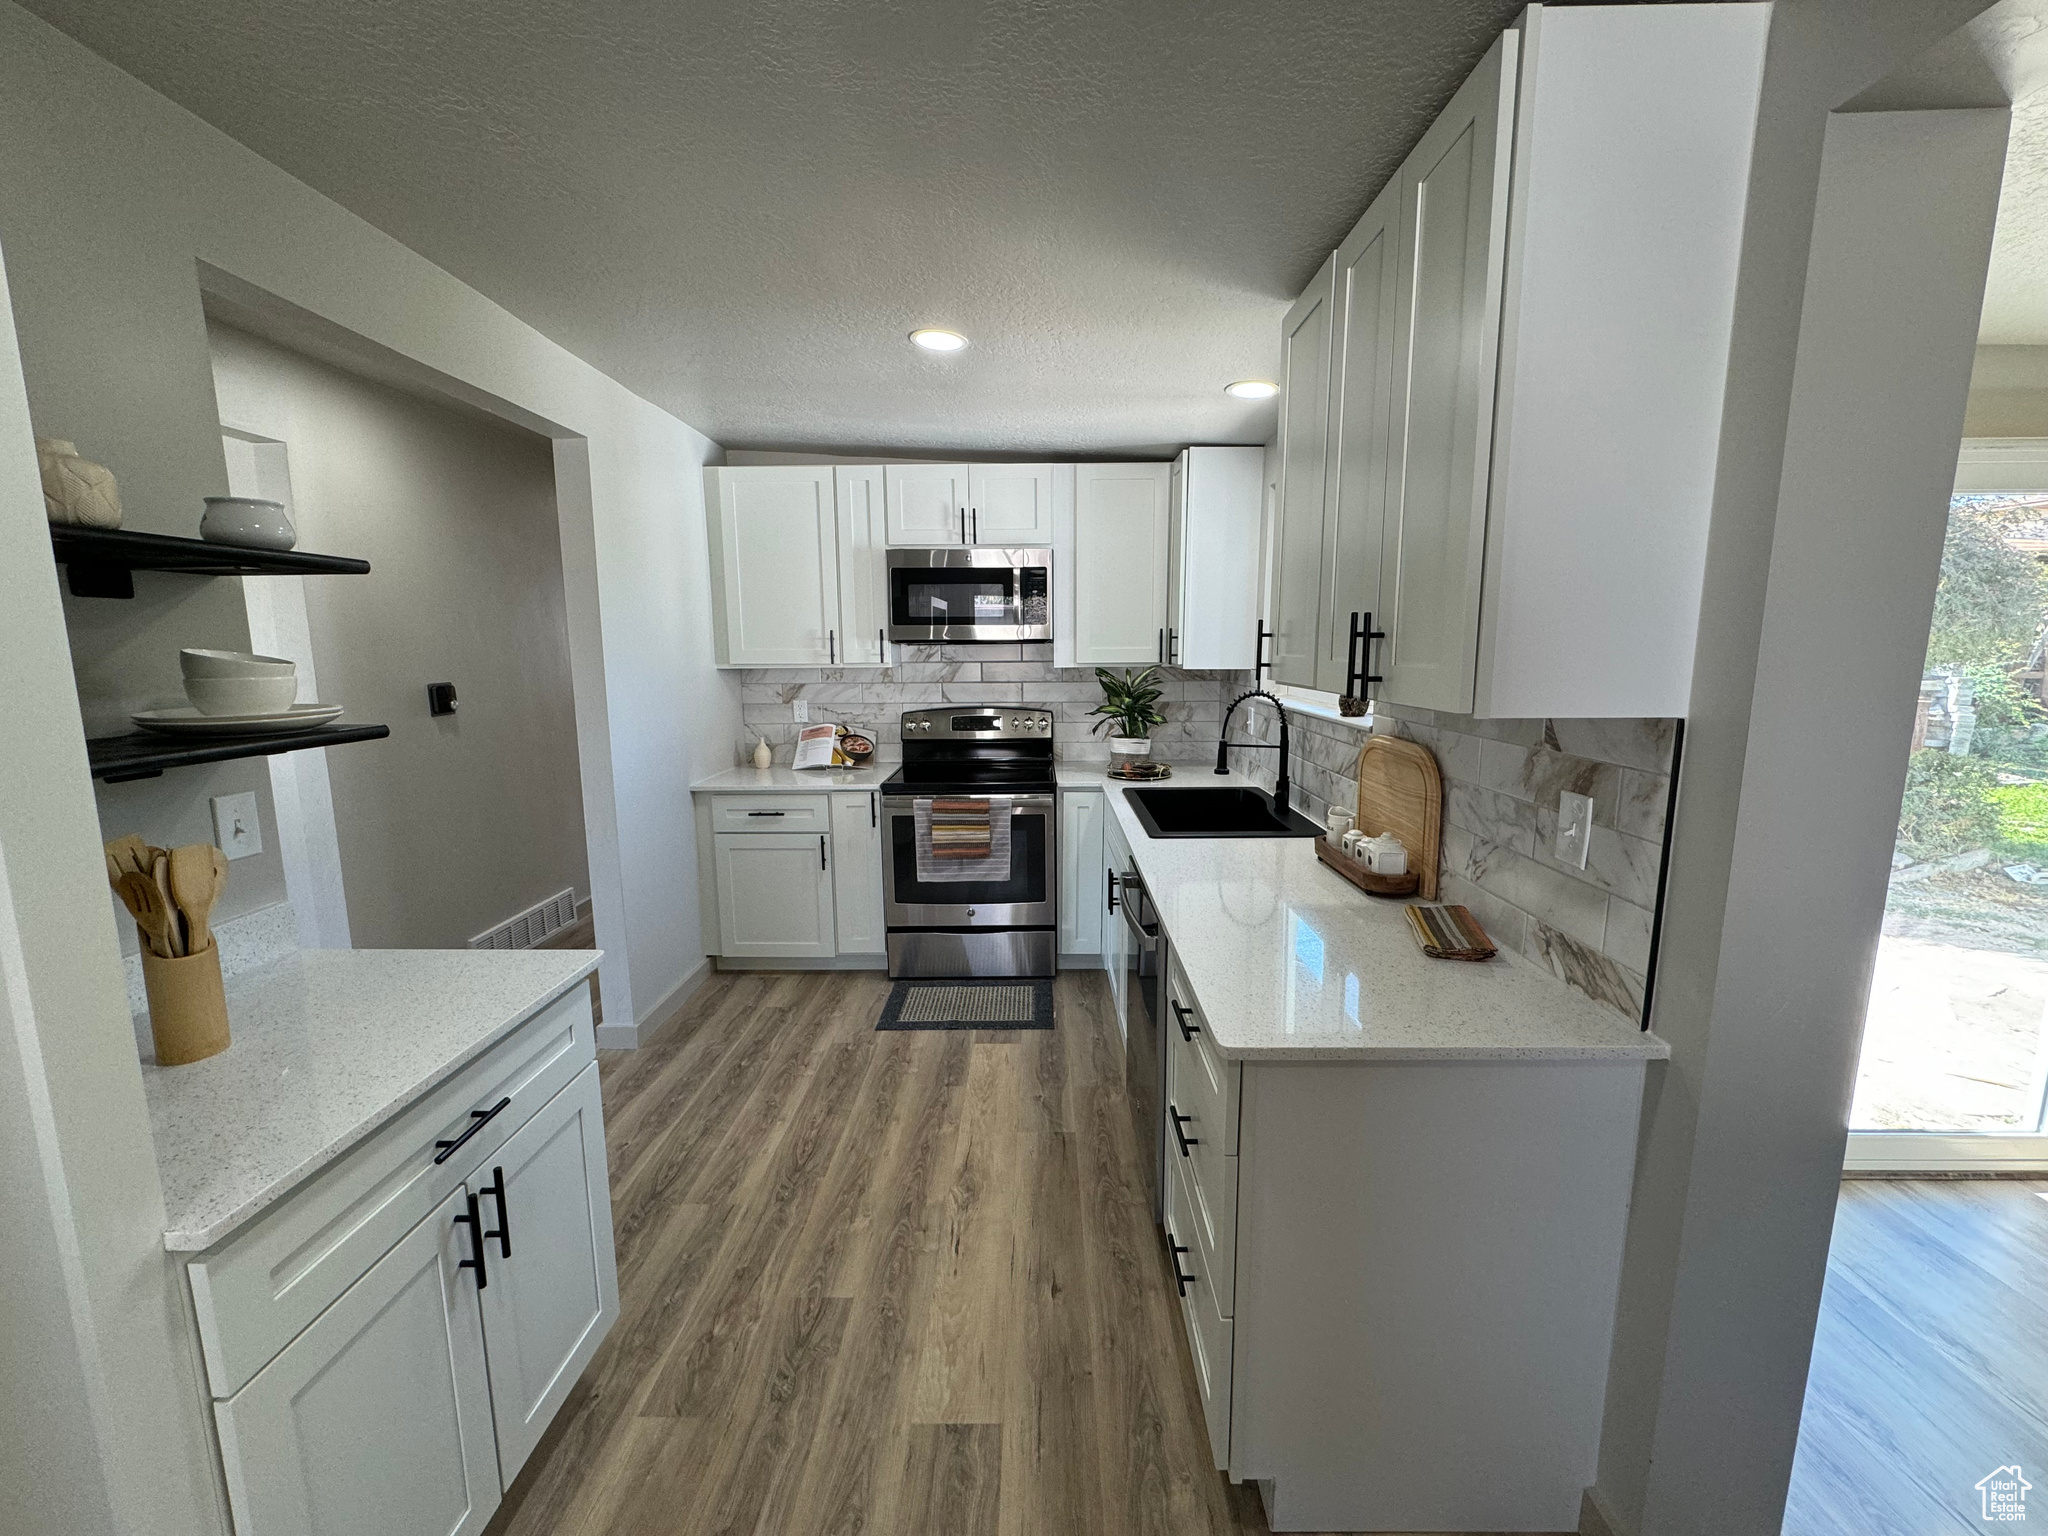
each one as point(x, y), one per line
point(76, 491)
point(247, 521)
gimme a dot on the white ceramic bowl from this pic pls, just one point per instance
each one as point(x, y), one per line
point(203, 663)
point(242, 695)
point(248, 521)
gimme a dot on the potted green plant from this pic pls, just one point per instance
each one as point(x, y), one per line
point(1130, 708)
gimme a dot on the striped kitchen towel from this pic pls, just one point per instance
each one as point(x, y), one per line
point(1449, 933)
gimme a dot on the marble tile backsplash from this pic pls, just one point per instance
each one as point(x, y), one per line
point(873, 699)
point(1590, 926)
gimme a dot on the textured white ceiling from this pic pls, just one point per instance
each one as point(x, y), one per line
point(2016, 289)
point(738, 209)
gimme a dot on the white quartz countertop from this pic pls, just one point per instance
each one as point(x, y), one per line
point(1289, 962)
point(328, 1045)
point(783, 781)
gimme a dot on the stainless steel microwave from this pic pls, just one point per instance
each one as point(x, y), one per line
point(962, 595)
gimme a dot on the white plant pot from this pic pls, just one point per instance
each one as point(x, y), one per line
point(1131, 746)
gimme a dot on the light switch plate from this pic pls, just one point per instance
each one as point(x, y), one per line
point(1574, 829)
point(237, 828)
point(803, 711)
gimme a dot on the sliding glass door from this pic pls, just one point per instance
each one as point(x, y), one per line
point(1954, 1070)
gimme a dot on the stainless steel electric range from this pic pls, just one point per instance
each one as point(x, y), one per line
point(985, 774)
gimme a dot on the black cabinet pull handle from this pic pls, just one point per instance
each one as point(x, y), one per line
point(832, 646)
point(1110, 876)
point(479, 1118)
point(977, 523)
point(963, 525)
point(1260, 665)
point(874, 813)
point(1179, 1279)
point(882, 646)
point(1172, 644)
point(821, 850)
point(1180, 1120)
point(503, 1230)
point(1162, 647)
point(767, 813)
point(1181, 1015)
point(475, 1261)
point(1358, 673)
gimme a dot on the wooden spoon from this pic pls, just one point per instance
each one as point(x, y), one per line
point(152, 915)
point(192, 889)
point(161, 874)
point(130, 853)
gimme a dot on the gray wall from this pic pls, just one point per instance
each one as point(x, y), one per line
point(454, 823)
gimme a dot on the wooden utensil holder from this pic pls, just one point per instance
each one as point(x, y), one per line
point(188, 1006)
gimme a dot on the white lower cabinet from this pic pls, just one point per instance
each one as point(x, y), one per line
point(857, 872)
point(371, 1378)
point(553, 1291)
point(775, 895)
point(378, 1416)
point(1081, 872)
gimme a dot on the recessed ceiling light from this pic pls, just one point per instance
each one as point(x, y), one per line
point(1252, 389)
point(934, 340)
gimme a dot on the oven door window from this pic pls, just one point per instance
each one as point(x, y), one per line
point(1029, 868)
point(954, 597)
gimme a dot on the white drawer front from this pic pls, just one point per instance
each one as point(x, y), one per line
point(258, 1290)
point(771, 813)
point(1196, 1072)
point(1209, 1332)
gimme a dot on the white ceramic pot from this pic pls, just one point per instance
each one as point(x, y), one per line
point(197, 662)
point(1131, 746)
point(247, 521)
point(242, 695)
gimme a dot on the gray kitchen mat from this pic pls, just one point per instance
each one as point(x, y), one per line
point(1025, 1004)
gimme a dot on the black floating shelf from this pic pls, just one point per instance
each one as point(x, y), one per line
point(99, 560)
point(144, 754)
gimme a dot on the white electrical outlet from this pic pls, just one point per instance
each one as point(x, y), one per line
point(237, 829)
point(803, 711)
point(1574, 829)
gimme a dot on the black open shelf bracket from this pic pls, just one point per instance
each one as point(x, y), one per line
point(100, 562)
point(144, 755)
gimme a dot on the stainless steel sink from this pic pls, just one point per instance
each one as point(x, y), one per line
point(1221, 811)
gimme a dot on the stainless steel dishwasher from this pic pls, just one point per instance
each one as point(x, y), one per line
point(1144, 1043)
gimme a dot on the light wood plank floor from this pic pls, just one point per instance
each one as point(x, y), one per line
point(898, 1282)
point(1930, 1365)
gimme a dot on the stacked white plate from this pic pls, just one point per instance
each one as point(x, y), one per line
point(235, 693)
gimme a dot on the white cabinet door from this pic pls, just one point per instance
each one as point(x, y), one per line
point(1361, 418)
point(1453, 215)
point(1212, 610)
point(863, 567)
point(927, 503)
point(378, 1416)
point(553, 1279)
point(1121, 521)
point(1298, 579)
point(777, 558)
point(774, 894)
point(1082, 881)
point(1009, 504)
point(857, 872)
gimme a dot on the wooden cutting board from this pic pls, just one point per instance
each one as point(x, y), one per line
point(1401, 791)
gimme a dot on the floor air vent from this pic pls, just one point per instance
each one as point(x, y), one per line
point(530, 926)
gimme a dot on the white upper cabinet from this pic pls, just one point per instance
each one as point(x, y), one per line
point(1298, 568)
point(1212, 599)
point(1513, 371)
point(863, 567)
point(775, 555)
point(1121, 522)
point(1355, 483)
point(1009, 504)
point(927, 503)
point(1453, 224)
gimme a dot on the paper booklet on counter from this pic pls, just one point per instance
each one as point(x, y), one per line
point(814, 746)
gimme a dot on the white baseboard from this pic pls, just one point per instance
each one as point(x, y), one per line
point(1594, 1519)
point(617, 1037)
point(828, 963)
point(1932, 1152)
point(627, 1037)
